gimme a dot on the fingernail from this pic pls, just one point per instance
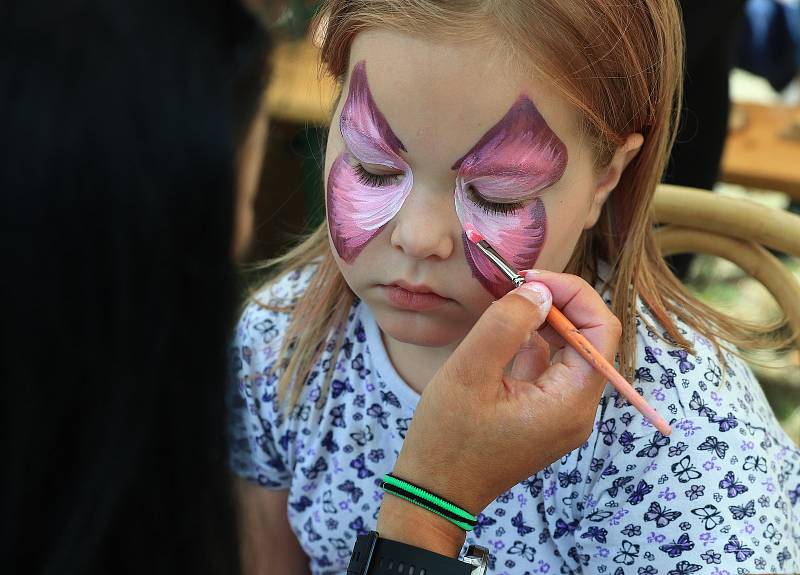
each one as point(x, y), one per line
point(535, 292)
point(531, 275)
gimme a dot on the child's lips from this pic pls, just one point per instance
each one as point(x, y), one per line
point(414, 297)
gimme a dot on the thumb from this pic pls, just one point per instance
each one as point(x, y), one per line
point(499, 333)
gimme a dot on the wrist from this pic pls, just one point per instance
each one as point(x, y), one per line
point(402, 521)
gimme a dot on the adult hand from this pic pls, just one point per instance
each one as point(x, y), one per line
point(511, 399)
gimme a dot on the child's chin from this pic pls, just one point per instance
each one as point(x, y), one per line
point(420, 330)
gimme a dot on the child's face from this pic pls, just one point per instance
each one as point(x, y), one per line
point(430, 137)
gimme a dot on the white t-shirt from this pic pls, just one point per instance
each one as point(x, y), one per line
point(721, 495)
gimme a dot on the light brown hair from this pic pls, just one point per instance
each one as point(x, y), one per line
point(620, 65)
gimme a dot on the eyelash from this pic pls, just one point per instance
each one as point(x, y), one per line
point(493, 208)
point(374, 180)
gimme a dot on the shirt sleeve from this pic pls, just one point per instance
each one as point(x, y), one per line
point(709, 496)
point(255, 416)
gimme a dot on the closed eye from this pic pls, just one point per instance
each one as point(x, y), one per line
point(493, 208)
point(374, 180)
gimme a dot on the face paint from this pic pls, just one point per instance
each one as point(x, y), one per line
point(358, 209)
point(516, 158)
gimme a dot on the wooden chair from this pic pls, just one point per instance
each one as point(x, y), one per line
point(739, 231)
point(734, 229)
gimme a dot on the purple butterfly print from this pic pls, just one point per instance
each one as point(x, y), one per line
point(653, 446)
point(534, 485)
point(357, 525)
point(741, 552)
point(564, 528)
point(661, 515)
point(358, 365)
point(526, 551)
point(710, 515)
point(783, 557)
point(347, 348)
point(607, 430)
point(301, 504)
point(287, 438)
point(339, 387)
point(643, 374)
point(247, 354)
point(358, 464)
point(726, 423)
point(580, 558)
point(684, 365)
point(698, 405)
point(361, 335)
point(627, 553)
point(627, 441)
point(684, 471)
point(390, 398)
point(596, 464)
point(599, 515)
point(402, 426)
point(363, 437)
point(337, 415)
point(741, 511)
point(329, 443)
point(313, 471)
point(610, 470)
point(650, 354)
point(308, 527)
point(483, 521)
point(617, 483)
point(755, 463)
point(596, 533)
point(518, 522)
point(712, 443)
point(642, 489)
point(729, 483)
point(794, 495)
point(375, 410)
point(267, 329)
point(668, 378)
point(675, 548)
point(571, 478)
point(350, 488)
point(684, 568)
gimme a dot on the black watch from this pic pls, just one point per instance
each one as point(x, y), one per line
point(375, 556)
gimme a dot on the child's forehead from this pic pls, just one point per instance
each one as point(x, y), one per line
point(441, 98)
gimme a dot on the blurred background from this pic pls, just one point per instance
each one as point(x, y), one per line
point(739, 136)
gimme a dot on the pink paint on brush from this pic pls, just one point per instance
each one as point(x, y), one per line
point(358, 211)
point(472, 234)
point(517, 158)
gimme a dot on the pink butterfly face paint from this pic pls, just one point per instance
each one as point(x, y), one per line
point(518, 157)
point(357, 208)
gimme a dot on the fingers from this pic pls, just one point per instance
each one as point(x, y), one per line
point(500, 332)
point(585, 309)
point(531, 360)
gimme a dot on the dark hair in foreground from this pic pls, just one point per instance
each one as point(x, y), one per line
point(119, 123)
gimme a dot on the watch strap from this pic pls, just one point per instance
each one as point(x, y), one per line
point(375, 556)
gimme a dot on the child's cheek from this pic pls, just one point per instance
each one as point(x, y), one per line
point(518, 237)
point(358, 212)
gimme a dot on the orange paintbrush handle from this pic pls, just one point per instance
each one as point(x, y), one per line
point(576, 339)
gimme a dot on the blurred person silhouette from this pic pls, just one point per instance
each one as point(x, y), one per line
point(711, 31)
point(121, 122)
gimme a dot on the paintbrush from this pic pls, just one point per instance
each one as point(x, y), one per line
point(574, 337)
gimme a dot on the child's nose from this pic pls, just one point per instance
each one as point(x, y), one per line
point(425, 226)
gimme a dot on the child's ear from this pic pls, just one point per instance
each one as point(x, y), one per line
point(610, 175)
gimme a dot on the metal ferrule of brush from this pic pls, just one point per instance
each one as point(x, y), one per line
point(510, 272)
